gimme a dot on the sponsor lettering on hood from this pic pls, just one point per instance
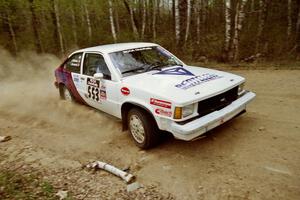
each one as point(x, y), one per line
point(197, 80)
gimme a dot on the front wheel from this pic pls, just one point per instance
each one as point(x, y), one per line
point(142, 128)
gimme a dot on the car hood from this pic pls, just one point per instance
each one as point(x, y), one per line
point(183, 85)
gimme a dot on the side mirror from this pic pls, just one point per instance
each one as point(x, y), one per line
point(98, 76)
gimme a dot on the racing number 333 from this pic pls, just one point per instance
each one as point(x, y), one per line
point(93, 89)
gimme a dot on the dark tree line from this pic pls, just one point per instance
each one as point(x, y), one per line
point(222, 30)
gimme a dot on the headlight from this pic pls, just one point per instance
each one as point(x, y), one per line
point(187, 110)
point(182, 112)
point(241, 88)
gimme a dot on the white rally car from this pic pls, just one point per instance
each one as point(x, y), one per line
point(150, 89)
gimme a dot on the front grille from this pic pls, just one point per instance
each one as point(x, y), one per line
point(217, 102)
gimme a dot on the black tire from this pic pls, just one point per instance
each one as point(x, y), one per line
point(63, 91)
point(151, 131)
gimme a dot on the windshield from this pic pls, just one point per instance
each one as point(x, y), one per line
point(144, 59)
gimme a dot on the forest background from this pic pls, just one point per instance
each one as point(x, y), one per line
point(196, 30)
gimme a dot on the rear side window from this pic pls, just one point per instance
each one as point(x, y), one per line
point(73, 63)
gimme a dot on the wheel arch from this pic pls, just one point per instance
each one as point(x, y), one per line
point(129, 105)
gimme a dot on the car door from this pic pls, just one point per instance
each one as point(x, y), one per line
point(71, 74)
point(98, 93)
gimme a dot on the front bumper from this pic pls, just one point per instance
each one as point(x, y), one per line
point(197, 127)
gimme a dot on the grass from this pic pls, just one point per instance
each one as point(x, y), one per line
point(26, 187)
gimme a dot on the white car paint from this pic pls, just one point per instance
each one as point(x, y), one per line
point(161, 91)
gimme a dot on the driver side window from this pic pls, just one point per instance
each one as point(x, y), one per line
point(95, 63)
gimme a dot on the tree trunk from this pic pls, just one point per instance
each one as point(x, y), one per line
point(263, 6)
point(239, 18)
point(88, 21)
point(57, 26)
point(158, 9)
point(74, 26)
point(35, 24)
point(252, 5)
point(204, 14)
point(143, 19)
point(12, 33)
point(117, 20)
point(297, 46)
point(132, 20)
point(289, 17)
point(111, 18)
point(298, 22)
point(177, 21)
point(198, 21)
point(154, 3)
point(227, 26)
point(188, 21)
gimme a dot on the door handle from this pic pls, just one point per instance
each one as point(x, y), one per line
point(82, 78)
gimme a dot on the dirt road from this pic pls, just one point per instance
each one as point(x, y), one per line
point(255, 156)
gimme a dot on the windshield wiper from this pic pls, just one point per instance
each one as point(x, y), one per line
point(155, 66)
point(132, 70)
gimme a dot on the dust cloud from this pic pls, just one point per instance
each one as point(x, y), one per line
point(28, 94)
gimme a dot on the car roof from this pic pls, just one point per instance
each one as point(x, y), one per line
point(109, 48)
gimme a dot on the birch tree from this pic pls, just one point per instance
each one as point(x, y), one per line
point(117, 19)
point(188, 21)
point(35, 24)
point(12, 33)
point(252, 5)
point(263, 9)
point(227, 25)
point(57, 26)
point(143, 18)
point(289, 17)
point(111, 18)
point(297, 45)
point(88, 21)
point(298, 22)
point(198, 20)
point(177, 21)
point(204, 13)
point(154, 3)
point(6, 16)
point(74, 26)
point(239, 19)
point(133, 22)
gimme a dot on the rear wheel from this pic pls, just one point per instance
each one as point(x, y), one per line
point(65, 94)
point(142, 128)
